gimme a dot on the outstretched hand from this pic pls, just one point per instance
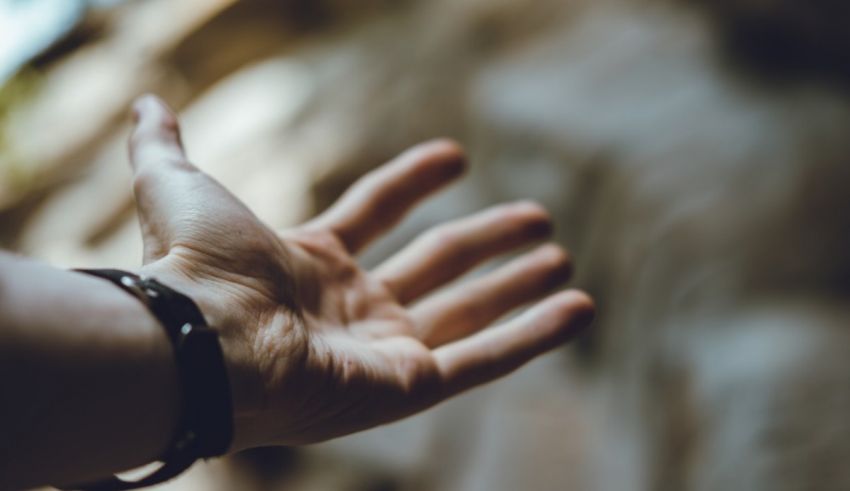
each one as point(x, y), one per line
point(317, 347)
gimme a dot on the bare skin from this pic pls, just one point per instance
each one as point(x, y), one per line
point(317, 347)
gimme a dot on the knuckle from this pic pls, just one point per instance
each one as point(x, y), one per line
point(178, 163)
point(143, 179)
point(146, 176)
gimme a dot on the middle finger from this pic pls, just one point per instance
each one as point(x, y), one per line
point(449, 250)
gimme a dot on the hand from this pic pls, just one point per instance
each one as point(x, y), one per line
point(315, 346)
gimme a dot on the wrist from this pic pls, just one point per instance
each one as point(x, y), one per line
point(205, 427)
point(94, 369)
point(156, 358)
point(222, 314)
point(142, 365)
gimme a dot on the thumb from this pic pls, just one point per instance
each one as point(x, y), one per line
point(161, 173)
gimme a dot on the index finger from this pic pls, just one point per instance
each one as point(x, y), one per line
point(379, 200)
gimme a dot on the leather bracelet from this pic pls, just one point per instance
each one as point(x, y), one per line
point(205, 427)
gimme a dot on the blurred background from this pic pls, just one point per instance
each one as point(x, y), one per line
point(694, 154)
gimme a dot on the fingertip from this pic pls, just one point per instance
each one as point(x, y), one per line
point(556, 260)
point(156, 134)
point(443, 153)
point(142, 104)
point(149, 107)
point(148, 100)
point(446, 145)
point(535, 220)
point(531, 208)
point(577, 308)
point(561, 317)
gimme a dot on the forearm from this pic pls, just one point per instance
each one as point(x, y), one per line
point(87, 377)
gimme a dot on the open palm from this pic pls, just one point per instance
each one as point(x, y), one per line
point(317, 347)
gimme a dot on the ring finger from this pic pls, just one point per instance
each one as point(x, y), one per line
point(463, 309)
